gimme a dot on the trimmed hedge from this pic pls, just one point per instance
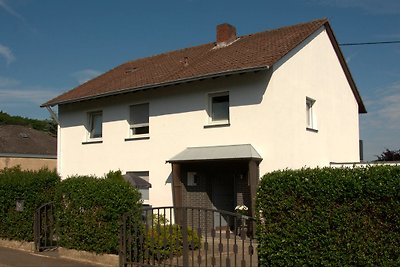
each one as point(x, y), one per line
point(31, 189)
point(88, 211)
point(330, 217)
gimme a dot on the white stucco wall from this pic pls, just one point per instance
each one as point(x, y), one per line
point(267, 110)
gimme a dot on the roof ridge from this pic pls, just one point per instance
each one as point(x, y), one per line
point(322, 21)
point(214, 43)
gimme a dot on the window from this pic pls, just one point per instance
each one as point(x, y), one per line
point(95, 125)
point(310, 116)
point(192, 179)
point(139, 119)
point(142, 187)
point(218, 109)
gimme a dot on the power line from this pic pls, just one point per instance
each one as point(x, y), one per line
point(371, 43)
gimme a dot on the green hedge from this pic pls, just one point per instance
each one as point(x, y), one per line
point(330, 217)
point(32, 189)
point(89, 210)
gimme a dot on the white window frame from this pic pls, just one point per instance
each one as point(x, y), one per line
point(211, 120)
point(132, 126)
point(311, 119)
point(90, 125)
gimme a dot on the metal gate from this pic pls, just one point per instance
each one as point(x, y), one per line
point(44, 228)
point(187, 236)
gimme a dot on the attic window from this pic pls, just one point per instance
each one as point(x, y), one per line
point(23, 135)
point(130, 70)
point(185, 61)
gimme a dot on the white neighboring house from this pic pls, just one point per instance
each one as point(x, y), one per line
point(202, 124)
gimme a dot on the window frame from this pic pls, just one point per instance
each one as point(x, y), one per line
point(210, 109)
point(91, 126)
point(311, 120)
point(138, 125)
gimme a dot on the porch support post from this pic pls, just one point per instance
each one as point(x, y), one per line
point(254, 175)
point(176, 185)
point(177, 191)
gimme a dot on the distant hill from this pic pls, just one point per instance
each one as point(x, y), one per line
point(48, 126)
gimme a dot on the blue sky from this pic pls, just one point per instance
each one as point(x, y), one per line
point(50, 46)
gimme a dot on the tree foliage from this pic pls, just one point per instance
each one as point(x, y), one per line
point(48, 126)
point(389, 155)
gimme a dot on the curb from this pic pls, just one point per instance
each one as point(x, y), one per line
point(72, 254)
point(21, 245)
point(103, 259)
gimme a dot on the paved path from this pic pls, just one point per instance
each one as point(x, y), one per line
point(13, 257)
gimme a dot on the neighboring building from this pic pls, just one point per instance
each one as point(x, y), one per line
point(31, 149)
point(202, 124)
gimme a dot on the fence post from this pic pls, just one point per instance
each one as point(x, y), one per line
point(185, 237)
point(122, 241)
point(36, 230)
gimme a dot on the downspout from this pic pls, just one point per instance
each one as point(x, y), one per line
point(53, 114)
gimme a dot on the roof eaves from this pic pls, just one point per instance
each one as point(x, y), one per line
point(152, 86)
point(21, 155)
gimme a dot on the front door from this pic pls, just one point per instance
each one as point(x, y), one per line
point(222, 186)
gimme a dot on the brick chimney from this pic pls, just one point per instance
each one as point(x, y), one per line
point(226, 33)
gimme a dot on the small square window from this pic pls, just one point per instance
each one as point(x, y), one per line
point(139, 119)
point(310, 114)
point(192, 179)
point(218, 109)
point(95, 125)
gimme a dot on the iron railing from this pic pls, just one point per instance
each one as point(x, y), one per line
point(187, 236)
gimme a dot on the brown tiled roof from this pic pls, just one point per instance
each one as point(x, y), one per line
point(249, 52)
point(16, 139)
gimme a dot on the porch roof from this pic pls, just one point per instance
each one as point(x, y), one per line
point(245, 151)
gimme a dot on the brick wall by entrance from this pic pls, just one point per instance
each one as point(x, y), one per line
point(200, 193)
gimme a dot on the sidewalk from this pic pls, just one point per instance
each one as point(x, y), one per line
point(16, 258)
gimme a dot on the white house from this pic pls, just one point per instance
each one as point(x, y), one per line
point(202, 124)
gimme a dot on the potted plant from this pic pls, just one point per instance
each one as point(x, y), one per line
point(242, 216)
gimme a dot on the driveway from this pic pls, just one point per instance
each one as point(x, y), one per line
point(13, 257)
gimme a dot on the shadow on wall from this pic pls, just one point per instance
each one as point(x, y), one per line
point(245, 89)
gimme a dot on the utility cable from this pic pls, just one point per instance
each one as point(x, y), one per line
point(370, 43)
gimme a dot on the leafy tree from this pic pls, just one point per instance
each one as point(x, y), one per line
point(389, 155)
point(49, 125)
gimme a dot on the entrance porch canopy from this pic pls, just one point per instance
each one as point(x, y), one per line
point(245, 151)
point(205, 154)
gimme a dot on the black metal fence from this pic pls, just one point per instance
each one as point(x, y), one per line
point(187, 236)
point(44, 228)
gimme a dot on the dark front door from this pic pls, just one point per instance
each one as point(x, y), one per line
point(222, 186)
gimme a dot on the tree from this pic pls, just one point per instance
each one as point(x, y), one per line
point(389, 155)
point(48, 126)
